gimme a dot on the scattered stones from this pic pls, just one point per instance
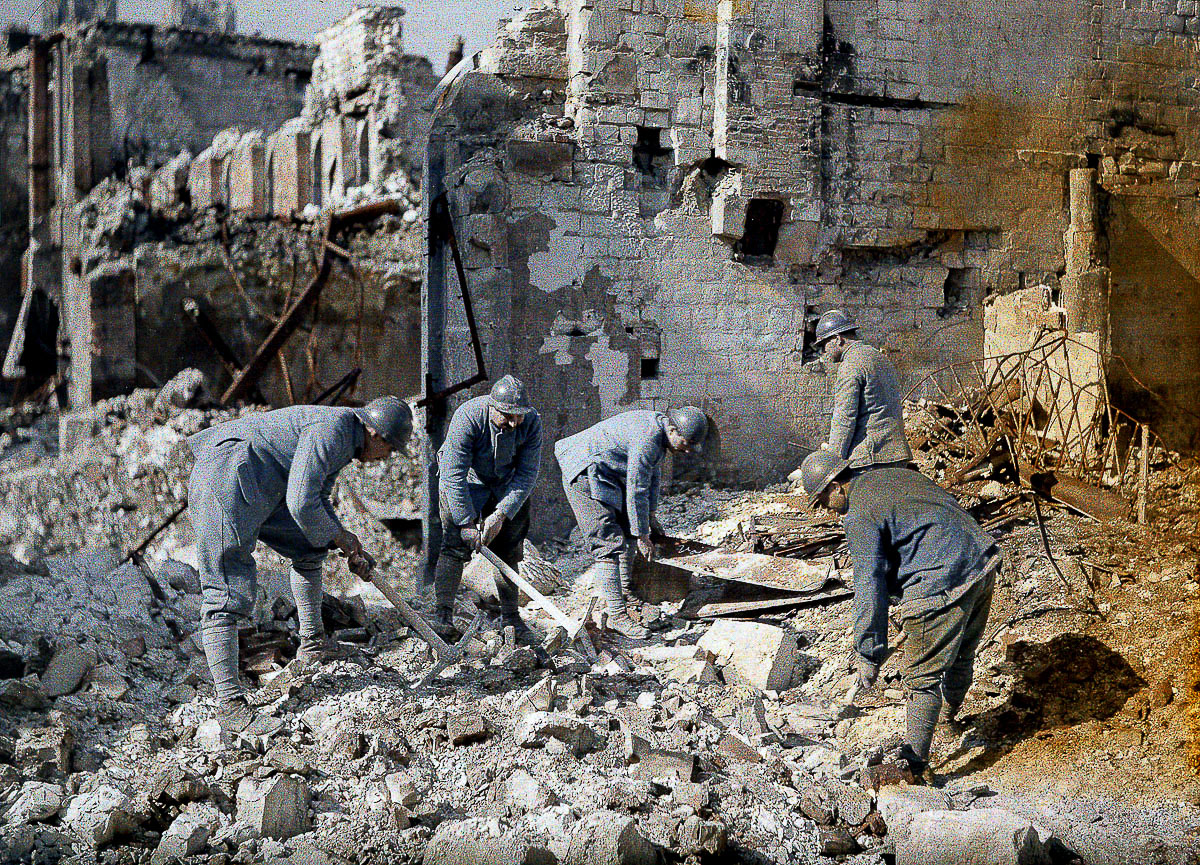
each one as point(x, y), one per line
point(535, 729)
point(275, 807)
point(987, 836)
point(100, 814)
point(762, 656)
point(36, 801)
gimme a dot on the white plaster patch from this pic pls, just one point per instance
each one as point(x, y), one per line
point(560, 265)
point(609, 369)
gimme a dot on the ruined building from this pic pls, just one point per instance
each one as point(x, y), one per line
point(189, 173)
point(655, 198)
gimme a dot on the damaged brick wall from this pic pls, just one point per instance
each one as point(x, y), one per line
point(14, 194)
point(674, 190)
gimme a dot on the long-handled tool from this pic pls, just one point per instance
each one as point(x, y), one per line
point(575, 630)
point(446, 654)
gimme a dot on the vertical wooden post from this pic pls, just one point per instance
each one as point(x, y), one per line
point(1143, 476)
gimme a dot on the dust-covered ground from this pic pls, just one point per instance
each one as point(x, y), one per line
point(1079, 741)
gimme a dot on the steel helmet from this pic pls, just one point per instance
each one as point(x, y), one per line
point(818, 471)
point(691, 424)
point(388, 417)
point(832, 323)
point(508, 396)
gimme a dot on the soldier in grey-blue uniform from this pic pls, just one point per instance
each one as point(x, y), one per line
point(267, 477)
point(867, 427)
point(611, 475)
point(487, 467)
point(910, 538)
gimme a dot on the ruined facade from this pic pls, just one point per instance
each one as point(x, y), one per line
point(142, 214)
point(655, 198)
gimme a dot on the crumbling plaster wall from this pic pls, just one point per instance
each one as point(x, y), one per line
point(173, 89)
point(919, 154)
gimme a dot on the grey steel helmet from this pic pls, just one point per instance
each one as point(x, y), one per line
point(691, 424)
point(818, 471)
point(832, 323)
point(390, 418)
point(508, 396)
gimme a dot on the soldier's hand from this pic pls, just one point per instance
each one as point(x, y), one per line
point(348, 543)
point(646, 548)
point(362, 564)
point(868, 673)
point(491, 528)
point(472, 537)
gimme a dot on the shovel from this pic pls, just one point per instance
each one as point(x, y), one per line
point(447, 655)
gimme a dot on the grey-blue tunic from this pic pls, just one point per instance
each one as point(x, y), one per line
point(479, 462)
point(266, 477)
point(622, 456)
point(867, 427)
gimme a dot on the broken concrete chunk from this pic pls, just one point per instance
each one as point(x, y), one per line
point(988, 836)
point(898, 805)
point(539, 698)
point(402, 789)
point(837, 841)
point(36, 801)
point(459, 841)
point(100, 815)
point(608, 838)
point(762, 656)
point(23, 693)
point(67, 668)
point(188, 834)
point(44, 752)
point(275, 807)
point(696, 837)
point(524, 793)
point(853, 803)
point(466, 726)
point(535, 729)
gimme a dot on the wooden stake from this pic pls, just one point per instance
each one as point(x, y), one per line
point(1144, 476)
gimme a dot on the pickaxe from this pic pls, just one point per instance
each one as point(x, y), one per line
point(575, 630)
point(446, 654)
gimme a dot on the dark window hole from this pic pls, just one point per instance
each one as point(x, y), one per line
point(764, 216)
point(649, 368)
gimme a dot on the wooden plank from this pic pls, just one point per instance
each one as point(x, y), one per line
point(737, 608)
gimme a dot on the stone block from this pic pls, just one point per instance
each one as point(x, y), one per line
point(696, 837)
point(36, 801)
point(70, 664)
point(275, 807)
point(23, 693)
point(987, 836)
point(535, 729)
point(188, 834)
point(899, 805)
point(608, 838)
point(539, 157)
point(524, 793)
point(466, 727)
point(44, 752)
point(761, 655)
point(539, 698)
point(100, 815)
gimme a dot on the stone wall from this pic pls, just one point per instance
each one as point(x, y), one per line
point(671, 192)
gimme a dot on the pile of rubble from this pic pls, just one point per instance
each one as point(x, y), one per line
point(717, 740)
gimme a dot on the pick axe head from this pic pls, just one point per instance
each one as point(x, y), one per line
point(451, 654)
